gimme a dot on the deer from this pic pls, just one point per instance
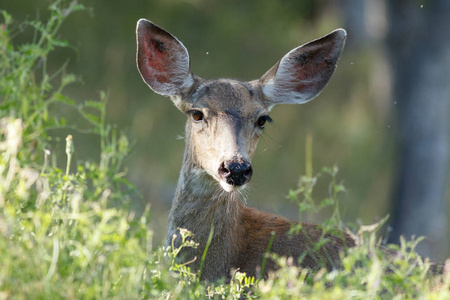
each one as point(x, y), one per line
point(225, 119)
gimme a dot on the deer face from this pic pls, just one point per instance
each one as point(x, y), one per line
point(226, 117)
point(225, 121)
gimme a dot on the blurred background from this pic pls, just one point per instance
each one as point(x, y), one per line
point(382, 119)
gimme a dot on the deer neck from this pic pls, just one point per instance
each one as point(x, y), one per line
point(199, 204)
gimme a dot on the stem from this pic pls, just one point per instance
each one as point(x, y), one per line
point(69, 151)
point(211, 232)
point(308, 155)
point(263, 265)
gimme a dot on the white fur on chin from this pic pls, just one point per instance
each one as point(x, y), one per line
point(229, 188)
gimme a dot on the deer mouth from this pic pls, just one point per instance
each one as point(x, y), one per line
point(230, 188)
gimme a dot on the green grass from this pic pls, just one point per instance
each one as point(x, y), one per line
point(67, 229)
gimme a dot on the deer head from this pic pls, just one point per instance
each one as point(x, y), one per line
point(227, 117)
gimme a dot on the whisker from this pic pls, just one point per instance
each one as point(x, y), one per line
point(243, 196)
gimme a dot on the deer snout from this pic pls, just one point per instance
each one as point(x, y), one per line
point(235, 173)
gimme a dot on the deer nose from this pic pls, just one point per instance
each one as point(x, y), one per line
point(235, 173)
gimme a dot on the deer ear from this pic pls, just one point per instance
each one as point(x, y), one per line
point(162, 60)
point(302, 73)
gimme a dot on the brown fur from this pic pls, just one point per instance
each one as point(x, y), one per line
point(256, 232)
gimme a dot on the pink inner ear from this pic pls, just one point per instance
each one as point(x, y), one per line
point(156, 60)
point(313, 67)
point(163, 61)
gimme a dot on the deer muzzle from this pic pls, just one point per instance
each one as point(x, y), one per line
point(235, 173)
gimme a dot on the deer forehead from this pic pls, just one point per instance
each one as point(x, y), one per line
point(228, 97)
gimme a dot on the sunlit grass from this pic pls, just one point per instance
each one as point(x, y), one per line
point(68, 232)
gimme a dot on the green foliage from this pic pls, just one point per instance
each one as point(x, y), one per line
point(62, 234)
point(71, 234)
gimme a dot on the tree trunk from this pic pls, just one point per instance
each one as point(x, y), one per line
point(419, 48)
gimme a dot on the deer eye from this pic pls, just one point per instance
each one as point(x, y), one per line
point(197, 115)
point(262, 121)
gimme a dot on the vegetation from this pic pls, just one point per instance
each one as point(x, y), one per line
point(67, 229)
